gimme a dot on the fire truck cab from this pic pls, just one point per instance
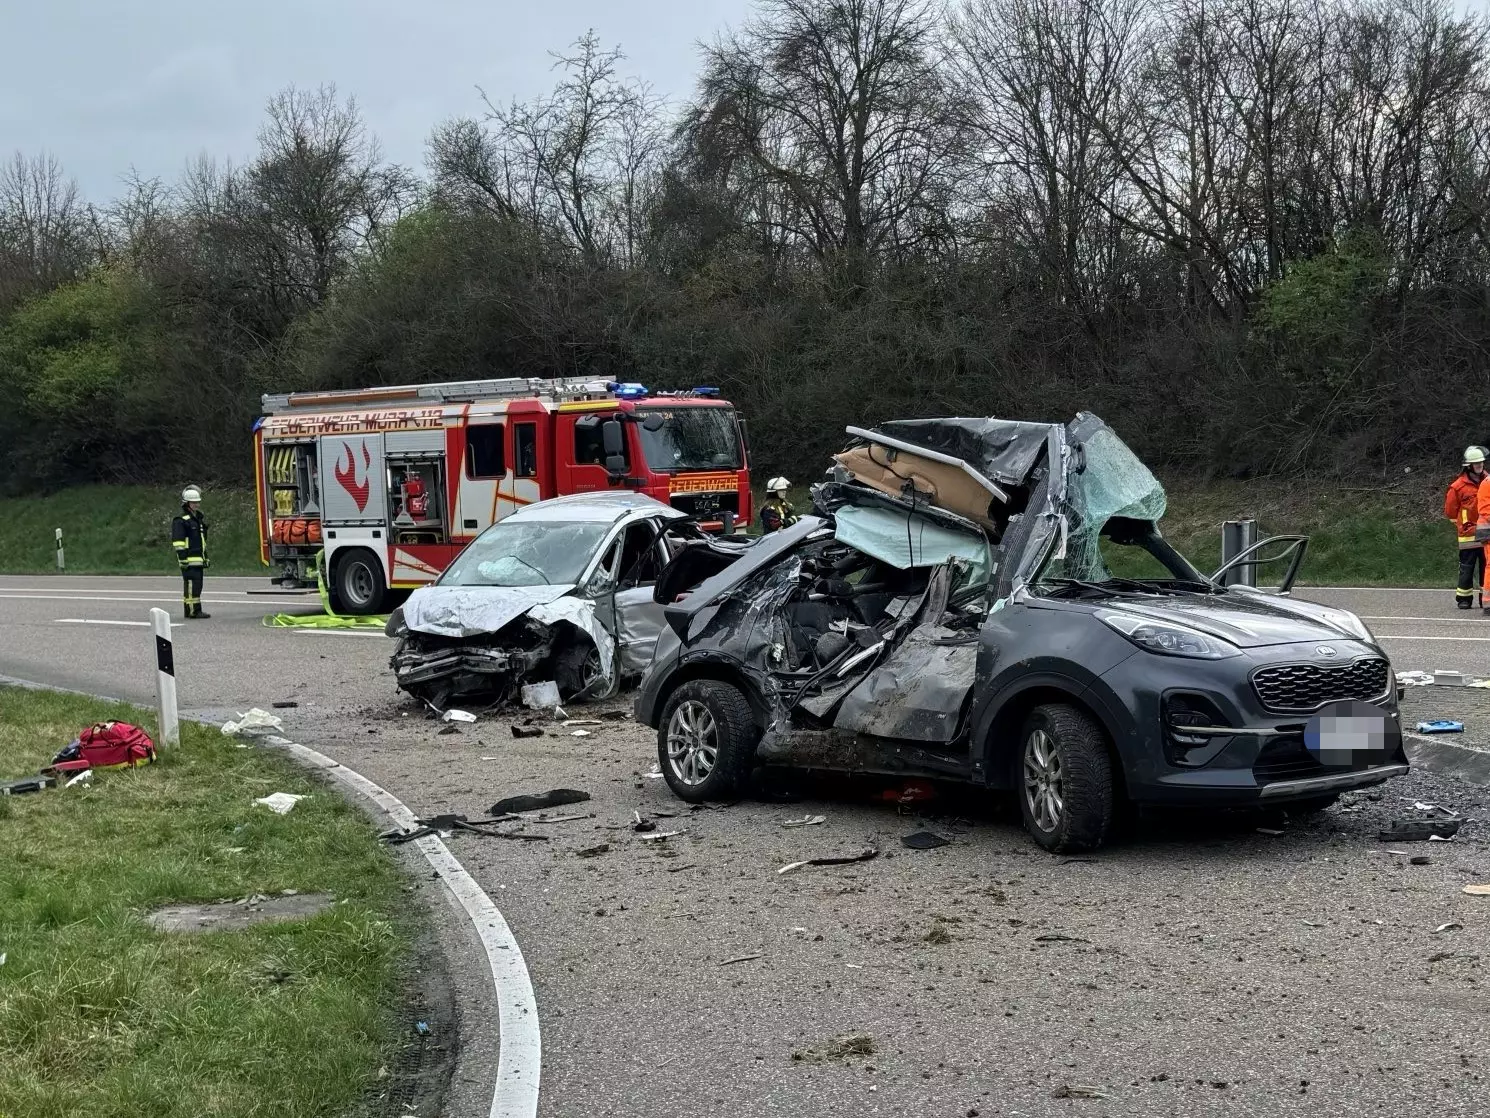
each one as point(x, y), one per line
point(391, 483)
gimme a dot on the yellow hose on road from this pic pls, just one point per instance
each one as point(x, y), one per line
point(328, 618)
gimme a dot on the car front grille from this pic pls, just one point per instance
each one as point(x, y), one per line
point(1285, 759)
point(1304, 688)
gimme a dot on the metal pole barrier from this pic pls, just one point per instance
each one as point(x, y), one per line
point(165, 679)
point(1236, 537)
point(61, 560)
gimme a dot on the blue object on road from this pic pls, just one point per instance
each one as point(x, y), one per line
point(1441, 726)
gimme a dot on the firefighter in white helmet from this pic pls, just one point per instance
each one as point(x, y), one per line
point(777, 512)
point(189, 540)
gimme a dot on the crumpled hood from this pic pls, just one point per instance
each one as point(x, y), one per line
point(468, 611)
point(1245, 621)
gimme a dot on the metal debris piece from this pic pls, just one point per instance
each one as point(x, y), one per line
point(743, 958)
point(863, 856)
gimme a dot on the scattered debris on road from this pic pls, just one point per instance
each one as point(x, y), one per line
point(285, 704)
point(579, 733)
point(281, 803)
point(593, 851)
point(527, 731)
point(1418, 831)
point(1451, 926)
point(839, 1048)
point(1441, 726)
point(1269, 831)
point(555, 797)
point(255, 721)
point(863, 856)
point(658, 836)
point(806, 821)
point(743, 958)
point(1477, 890)
point(454, 715)
point(924, 840)
point(1070, 1092)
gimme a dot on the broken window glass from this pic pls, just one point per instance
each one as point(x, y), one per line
point(526, 553)
point(906, 540)
point(1115, 483)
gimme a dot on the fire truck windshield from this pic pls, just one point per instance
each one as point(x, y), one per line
point(526, 553)
point(691, 438)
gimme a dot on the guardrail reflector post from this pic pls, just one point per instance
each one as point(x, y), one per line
point(165, 679)
point(61, 560)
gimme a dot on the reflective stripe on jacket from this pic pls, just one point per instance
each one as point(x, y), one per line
point(189, 538)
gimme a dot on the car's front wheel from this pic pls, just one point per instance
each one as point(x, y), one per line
point(706, 740)
point(1066, 794)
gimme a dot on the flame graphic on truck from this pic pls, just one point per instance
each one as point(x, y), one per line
point(346, 475)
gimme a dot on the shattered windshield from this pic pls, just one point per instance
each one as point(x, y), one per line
point(526, 553)
point(1114, 484)
point(697, 437)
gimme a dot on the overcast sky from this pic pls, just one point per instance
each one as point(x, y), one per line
point(105, 85)
point(108, 84)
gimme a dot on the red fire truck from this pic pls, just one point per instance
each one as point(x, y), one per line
point(392, 482)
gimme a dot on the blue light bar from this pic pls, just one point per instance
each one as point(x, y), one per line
point(706, 391)
point(628, 390)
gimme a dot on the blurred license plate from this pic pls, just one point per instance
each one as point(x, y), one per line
point(1350, 735)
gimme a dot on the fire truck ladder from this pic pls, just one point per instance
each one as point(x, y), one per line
point(450, 392)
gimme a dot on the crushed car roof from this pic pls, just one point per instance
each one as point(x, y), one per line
point(600, 507)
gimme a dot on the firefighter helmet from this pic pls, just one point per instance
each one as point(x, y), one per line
point(1474, 456)
point(778, 485)
point(191, 495)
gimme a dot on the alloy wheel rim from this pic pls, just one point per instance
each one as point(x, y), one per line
point(692, 742)
point(1044, 794)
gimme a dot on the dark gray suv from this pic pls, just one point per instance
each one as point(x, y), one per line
point(953, 611)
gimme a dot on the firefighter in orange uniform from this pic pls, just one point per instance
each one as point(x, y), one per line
point(1462, 505)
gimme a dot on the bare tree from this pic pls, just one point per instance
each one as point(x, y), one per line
point(45, 227)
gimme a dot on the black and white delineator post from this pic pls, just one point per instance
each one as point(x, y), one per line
point(165, 679)
point(61, 559)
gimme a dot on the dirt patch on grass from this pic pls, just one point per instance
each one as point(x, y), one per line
point(230, 916)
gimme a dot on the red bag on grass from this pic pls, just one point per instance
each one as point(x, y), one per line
point(107, 745)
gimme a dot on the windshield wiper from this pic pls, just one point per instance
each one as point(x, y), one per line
point(1078, 584)
point(535, 570)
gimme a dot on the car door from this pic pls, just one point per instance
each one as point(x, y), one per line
point(638, 616)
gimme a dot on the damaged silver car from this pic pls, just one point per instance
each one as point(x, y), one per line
point(992, 602)
point(560, 590)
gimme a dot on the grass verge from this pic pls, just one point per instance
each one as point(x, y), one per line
point(123, 529)
point(100, 1015)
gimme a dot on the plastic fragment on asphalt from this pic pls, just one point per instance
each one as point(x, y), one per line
point(1065, 1092)
point(285, 704)
point(1311, 923)
point(924, 840)
point(281, 803)
point(1268, 831)
point(540, 696)
point(1414, 679)
point(583, 722)
point(593, 851)
point(1449, 927)
point(1421, 860)
point(1428, 830)
point(1441, 726)
point(863, 856)
point(554, 797)
point(255, 721)
point(579, 733)
point(1440, 838)
point(527, 731)
point(805, 821)
point(1477, 890)
point(743, 958)
point(453, 715)
point(657, 836)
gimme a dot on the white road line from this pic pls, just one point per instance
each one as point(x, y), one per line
point(520, 1046)
point(1408, 637)
point(161, 596)
point(1434, 620)
point(337, 632)
point(98, 621)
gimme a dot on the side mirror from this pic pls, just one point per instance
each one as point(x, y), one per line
point(615, 465)
point(612, 437)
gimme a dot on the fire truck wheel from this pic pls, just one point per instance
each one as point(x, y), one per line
point(358, 585)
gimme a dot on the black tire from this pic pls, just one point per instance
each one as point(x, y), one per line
point(682, 734)
point(1079, 816)
point(577, 672)
point(1313, 805)
point(357, 585)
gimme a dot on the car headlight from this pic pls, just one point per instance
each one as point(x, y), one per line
point(1348, 622)
point(1166, 638)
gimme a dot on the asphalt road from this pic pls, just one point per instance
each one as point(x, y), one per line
point(1196, 967)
